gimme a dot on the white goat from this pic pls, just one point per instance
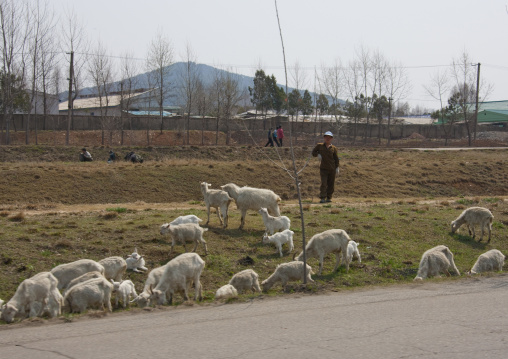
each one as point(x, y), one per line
point(124, 290)
point(81, 279)
point(190, 218)
point(274, 224)
point(331, 241)
point(286, 272)
point(435, 261)
point(225, 292)
point(114, 267)
point(186, 232)
point(68, 271)
point(280, 238)
point(246, 280)
point(492, 260)
point(143, 299)
point(217, 199)
point(94, 293)
point(135, 262)
point(253, 198)
point(33, 297)
point(474, 216)
point(352, 251)
point(178, 274)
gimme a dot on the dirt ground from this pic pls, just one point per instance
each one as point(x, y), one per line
point(237, 138)
point(42, 176)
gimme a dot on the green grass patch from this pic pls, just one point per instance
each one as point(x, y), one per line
point(391, 241)
point(117, 209)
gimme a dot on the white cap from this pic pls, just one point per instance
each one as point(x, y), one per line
point(328, 133)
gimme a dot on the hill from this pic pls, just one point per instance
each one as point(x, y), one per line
point(206, 74)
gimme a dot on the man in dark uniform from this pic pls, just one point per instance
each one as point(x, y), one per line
point(329, 167)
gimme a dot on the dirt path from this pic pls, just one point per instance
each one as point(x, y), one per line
point(141, 206)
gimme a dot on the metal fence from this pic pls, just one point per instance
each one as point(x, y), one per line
point(205, 131)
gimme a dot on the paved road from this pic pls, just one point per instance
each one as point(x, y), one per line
point(467, 318)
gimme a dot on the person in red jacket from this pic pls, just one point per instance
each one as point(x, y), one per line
point(329, 167)
point(280, 134)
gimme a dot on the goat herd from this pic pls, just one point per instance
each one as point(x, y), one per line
point(84, 284)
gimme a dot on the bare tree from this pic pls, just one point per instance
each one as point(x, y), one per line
point(464, 92)
point(397, 86)
point(217, 100)
point(202, 105)
point(127, 87)
point(13, 39)
point(439, 86)
point(333, 82)
point(75, 45)
point(100, 70)
point(189, 83)
point(42, 58)
point(231, 95)
point(353, 85)
point(299, 82)
point(158, 63)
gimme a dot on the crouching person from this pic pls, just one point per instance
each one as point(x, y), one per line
point(85, 156)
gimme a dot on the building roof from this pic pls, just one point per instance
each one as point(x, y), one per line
point(493, 116)
point(94, 102)
point(151, 113)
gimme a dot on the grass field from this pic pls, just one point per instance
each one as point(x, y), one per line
point(396, 204)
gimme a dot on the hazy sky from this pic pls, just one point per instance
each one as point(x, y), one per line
point(244, 35)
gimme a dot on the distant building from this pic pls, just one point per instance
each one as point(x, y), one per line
point(141, 102)
point(495, 112)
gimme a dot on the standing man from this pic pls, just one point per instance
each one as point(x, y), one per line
point(274, 134)
point(270, 141)
point(329, 167)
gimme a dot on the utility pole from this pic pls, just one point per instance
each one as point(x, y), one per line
point(477, 93)
point(389, 118)
point(69, 102)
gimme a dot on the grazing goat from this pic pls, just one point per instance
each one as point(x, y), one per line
point(274, 224)
point(33, 297)
point(81, 279)
point(246, 280)
point(135, 262)
point(331, 241)
point(178, 274)
point(474, 216)
point(124, 290)
point(143, 299)
point(68, 271)
point(434, 261)
point(186, 232)
point(252, 198)
point(225, 292)
point(94, 293)
point(280, 238)
point(352, 252)
point(190, 218)
point(114, 267)
point(492, 260)
point(217, 199)
point(286, 272)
